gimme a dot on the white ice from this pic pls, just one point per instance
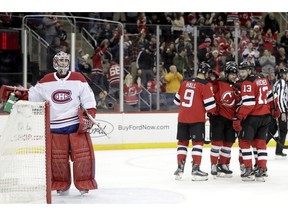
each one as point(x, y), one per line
point(142, 181)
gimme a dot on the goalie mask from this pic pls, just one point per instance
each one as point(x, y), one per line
point(61, 62)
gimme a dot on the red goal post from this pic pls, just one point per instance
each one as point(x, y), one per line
point(25, 154)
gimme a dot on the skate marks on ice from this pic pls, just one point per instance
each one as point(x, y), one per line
point(121, 196)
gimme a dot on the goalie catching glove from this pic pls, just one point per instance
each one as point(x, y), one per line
point(85, 124)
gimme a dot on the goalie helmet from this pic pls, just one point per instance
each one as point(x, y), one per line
point(204, 68)
point(61, 62)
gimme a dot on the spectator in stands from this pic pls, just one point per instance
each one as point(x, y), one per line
point(97, 65)
point(271, 23)
point(269, 41)
point(215, 61)
point(142, 23)
point(204, 50)
point(106, 32)
point(101, 102)
point(267, 62)
point(138, 43)
point(131, 93)
point(168, 53)
point(181, 63)
point(178, 25)
point(284, 41)
point(119, 17)
point(113, 77)
point(173, 81)
point(146, 64)
point(84, 65)
point(250, 54)
point(256, 37)
point(49, 23)
point(281, 56)
point(245, 17)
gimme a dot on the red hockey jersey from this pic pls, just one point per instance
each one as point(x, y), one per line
point(257, 98)
point(227, 98)
point(131, 94)
point(113, 74)
point(194, 98)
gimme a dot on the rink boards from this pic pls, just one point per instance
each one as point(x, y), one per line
point(133, 130)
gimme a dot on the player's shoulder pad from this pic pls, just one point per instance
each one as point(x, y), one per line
point(77, 76)
point(252, 78)
point(222, 80)
point(202, 81)
point(48, 78)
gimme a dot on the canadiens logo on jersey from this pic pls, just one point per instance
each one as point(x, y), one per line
point(61, 96)
point(228, 99)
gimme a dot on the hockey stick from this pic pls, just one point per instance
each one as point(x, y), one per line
point(97, 124)
point(277, 141)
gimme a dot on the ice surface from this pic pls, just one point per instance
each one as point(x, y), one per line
point(141, 182)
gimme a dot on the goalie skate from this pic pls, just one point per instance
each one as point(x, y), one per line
point(197, 174)
point(63, 193)
point(82, 192)
point(180, 170)
point(224, 171)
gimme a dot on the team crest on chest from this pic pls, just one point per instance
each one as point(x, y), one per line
point(61, 96)
point(228, 98)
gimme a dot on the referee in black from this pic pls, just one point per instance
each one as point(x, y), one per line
point(280, 88)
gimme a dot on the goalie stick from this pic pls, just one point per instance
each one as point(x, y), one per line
point(97, 124)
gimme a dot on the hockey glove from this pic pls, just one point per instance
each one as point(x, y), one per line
point(237, 124)
point(85, 124)
point(276, 113)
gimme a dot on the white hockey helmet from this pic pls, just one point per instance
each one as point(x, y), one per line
point(61, 62)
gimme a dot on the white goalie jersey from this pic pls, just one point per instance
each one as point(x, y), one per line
point(65, 95)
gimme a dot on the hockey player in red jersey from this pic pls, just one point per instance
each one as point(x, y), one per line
point(221, 126)
point(70, 99)
point(252, 121)
point(194, 98)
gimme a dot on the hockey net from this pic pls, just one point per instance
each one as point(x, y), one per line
point(25, 155)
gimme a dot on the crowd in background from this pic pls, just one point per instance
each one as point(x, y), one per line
point(258, 35)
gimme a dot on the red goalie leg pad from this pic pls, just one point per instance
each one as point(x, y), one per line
point(61, 176)
point(82, 155)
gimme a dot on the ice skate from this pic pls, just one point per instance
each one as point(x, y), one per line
point(248, 174)
point(214, 170)
point(280, 156)
point(63, 192)
point(261, 174)
point(82, 192)
point(180, 170)
point(197, 174)
point(242, 168)
point(224, 171)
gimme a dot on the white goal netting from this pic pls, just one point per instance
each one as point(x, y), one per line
point(23, 170)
